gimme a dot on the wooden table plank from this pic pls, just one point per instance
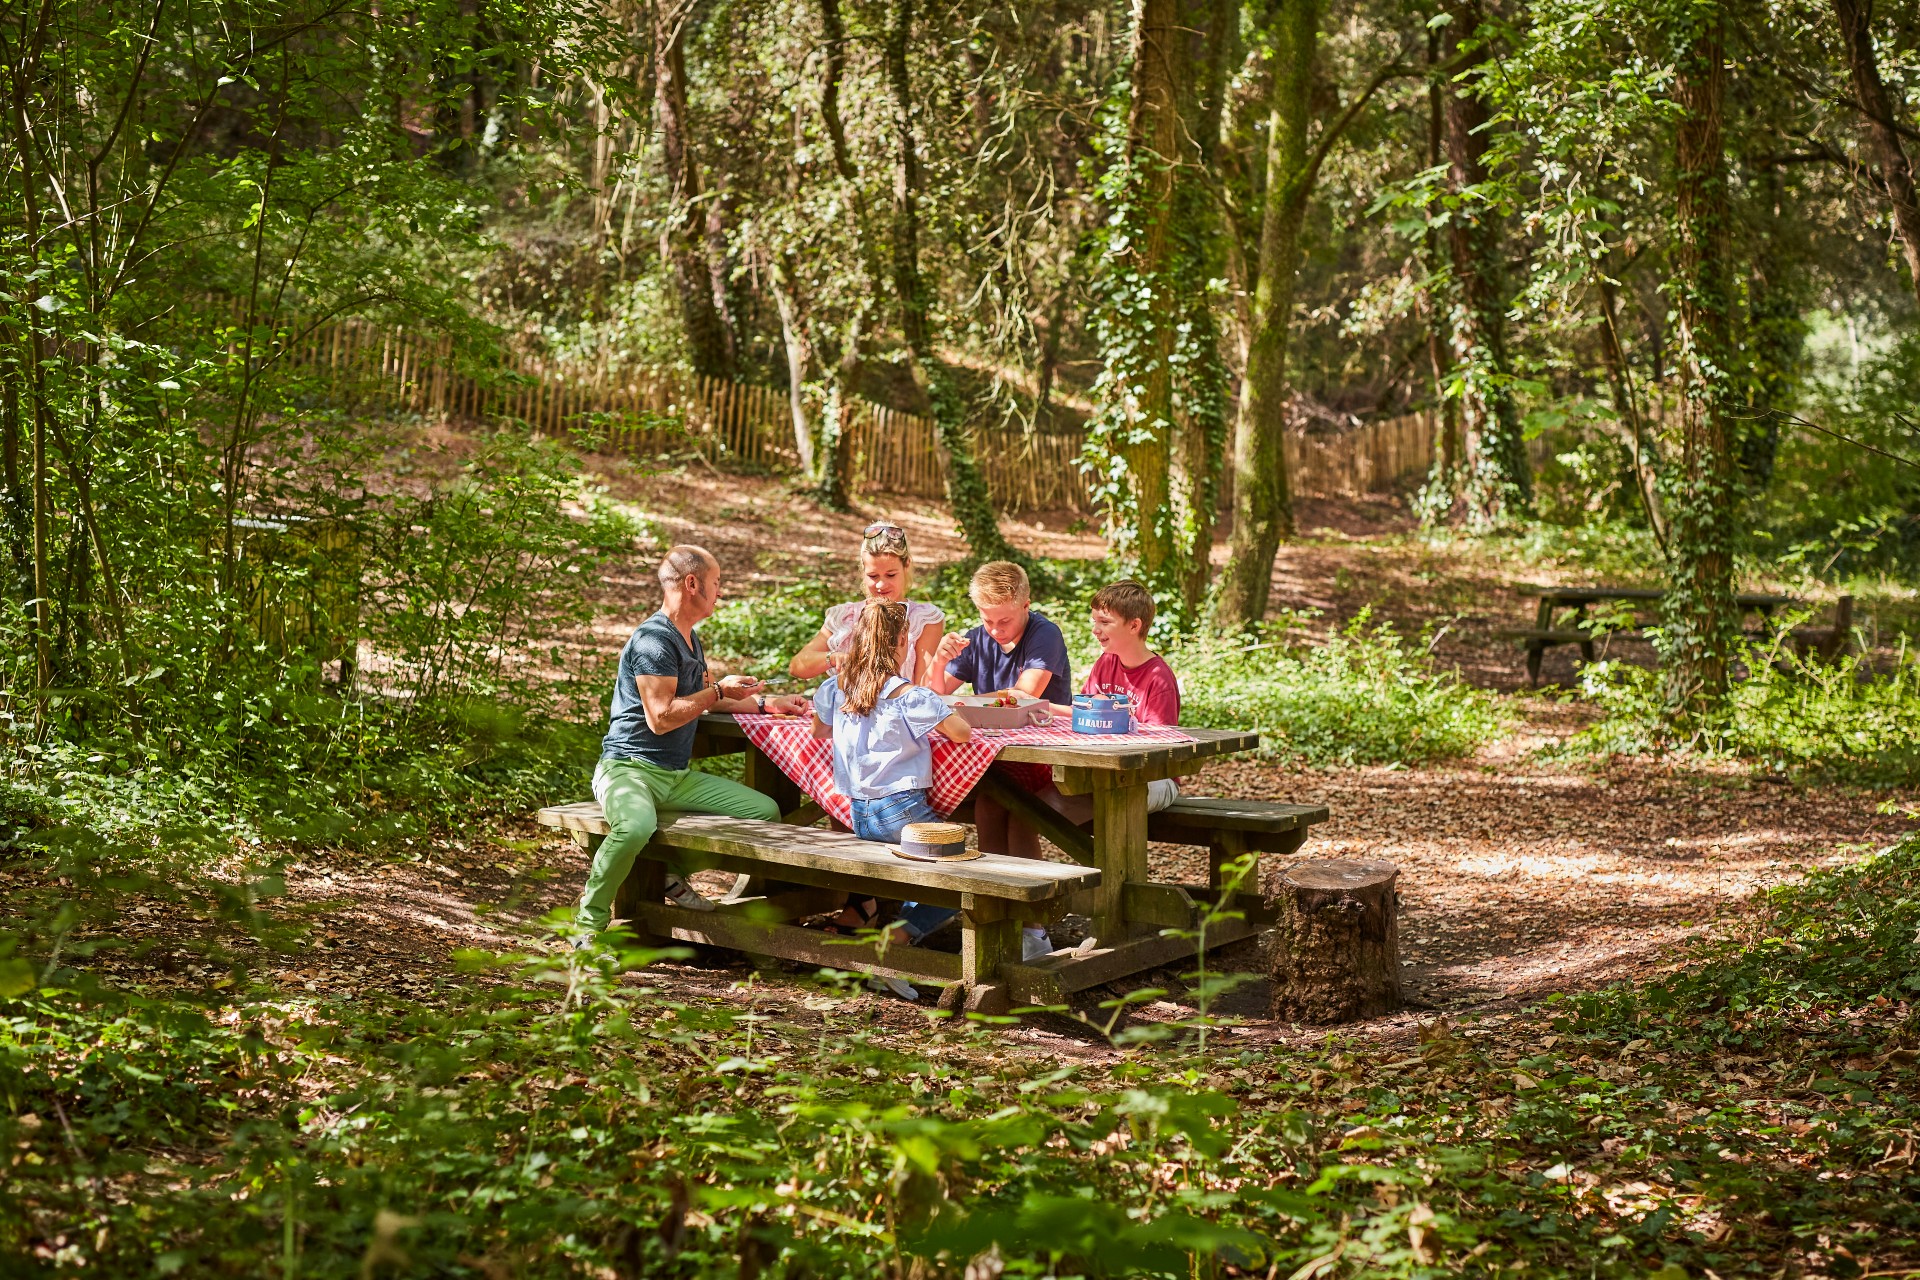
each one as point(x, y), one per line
point(1075, 842)
point(1096, 753)
point(789, 942)
point(1120, 851)
point(1242, 815)
point(1050, 979)
point(1595, 594)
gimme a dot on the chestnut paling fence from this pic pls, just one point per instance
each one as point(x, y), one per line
point(653, 412)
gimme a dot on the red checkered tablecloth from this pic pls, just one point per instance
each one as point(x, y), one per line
point(789, 742)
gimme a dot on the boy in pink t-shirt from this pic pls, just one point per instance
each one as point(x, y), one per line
point(1122, 613)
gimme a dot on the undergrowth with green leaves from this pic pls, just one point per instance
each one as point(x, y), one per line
point(1362, 695)
point(465, 580)
point(1845, 721)
point(548, 1114)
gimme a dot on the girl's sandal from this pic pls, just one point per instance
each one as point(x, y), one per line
point(867, 911)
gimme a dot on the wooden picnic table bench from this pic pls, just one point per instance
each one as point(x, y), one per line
point(1109, 881)
point(991, 892)
point(1545, 634)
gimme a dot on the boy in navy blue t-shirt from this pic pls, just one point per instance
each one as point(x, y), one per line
point(1013, 649)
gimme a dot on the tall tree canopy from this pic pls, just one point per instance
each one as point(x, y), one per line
point(1192, 230)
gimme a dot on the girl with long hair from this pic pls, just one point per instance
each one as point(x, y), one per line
point(882, 728)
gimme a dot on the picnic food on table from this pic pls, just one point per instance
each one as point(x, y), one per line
point(1005, 709)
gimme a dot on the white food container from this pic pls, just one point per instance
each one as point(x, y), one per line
point(974, 708)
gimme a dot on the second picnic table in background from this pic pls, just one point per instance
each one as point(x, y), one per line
point(1544, 635)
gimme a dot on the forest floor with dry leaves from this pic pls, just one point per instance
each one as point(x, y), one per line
point(1522, 875)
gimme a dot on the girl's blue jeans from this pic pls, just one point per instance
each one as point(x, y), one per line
point(883, 820)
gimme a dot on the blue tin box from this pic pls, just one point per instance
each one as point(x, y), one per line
point(1096, 713)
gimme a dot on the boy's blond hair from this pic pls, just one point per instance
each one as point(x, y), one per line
point(1000, 582)
point(1127, 600)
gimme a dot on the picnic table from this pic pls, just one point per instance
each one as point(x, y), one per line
point(1108, 880)
point(1575, 601)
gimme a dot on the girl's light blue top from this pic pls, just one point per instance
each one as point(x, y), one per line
point(888, 750)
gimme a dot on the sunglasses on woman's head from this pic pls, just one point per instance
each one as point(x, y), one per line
point(879, 527)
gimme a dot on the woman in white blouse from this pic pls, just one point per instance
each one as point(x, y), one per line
point(887, 570)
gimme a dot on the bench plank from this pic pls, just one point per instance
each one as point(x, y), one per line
point(1241, 815)
point(1232, 827)
point(769, 845)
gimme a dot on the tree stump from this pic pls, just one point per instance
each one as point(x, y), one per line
point(1336, 955)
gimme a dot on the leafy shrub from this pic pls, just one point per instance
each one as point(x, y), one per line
point(1834, 508)
point(1843, 721)
point(1358, 697)
point(760, 634)
point(226, 730)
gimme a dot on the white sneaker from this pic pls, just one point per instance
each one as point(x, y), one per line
point(682, 894)
point(905, 990)
point(1034, 943)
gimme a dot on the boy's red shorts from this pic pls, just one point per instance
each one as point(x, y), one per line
point(1028, 777)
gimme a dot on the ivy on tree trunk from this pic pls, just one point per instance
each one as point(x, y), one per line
point(1700, 615)
point(1157, 438)
point(1262, 496)
point(966, 487)
point(1870, 91)
point(1496, 480)
point(684, 241)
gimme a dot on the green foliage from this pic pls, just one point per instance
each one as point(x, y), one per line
point(550, 1112)
point(1356, 697)
point(462, 575)
point(1836, 509)
point(760, 634)
point(1845, 722)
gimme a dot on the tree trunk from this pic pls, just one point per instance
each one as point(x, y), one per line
point(1153, 154)
point(1643, 456)
point(720, 271)
point(1336, 955)
point(966, 488)
point(15, 506)
point(1443, 484)
point(1497, 478)
point(1206, 386)
point(1699, 610)
point(1163, 395)
point(799, 347)
point(1262, 499)
point(1773, 336)
point(683, 240)
point(1896, 171)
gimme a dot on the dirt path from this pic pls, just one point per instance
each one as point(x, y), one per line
point(1520, 877)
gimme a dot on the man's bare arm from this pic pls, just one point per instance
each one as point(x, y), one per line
point(667, 710)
